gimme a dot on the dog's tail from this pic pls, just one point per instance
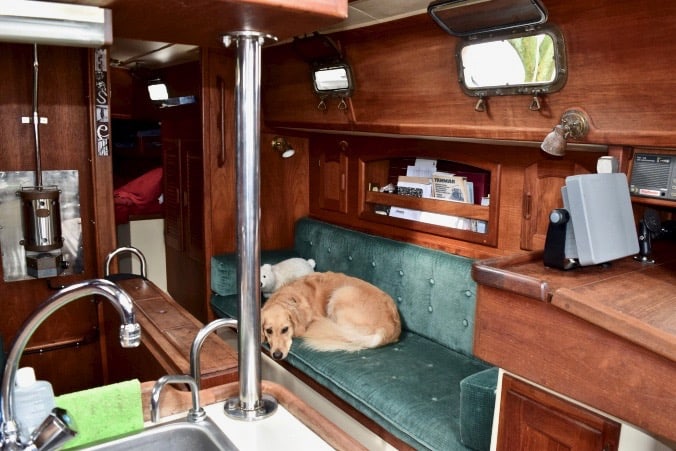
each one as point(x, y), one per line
point(325, 335)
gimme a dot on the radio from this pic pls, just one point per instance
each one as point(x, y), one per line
point(654, 175)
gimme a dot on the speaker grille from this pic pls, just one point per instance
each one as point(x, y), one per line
point(651, 175)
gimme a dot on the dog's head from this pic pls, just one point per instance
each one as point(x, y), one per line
point(280, 322)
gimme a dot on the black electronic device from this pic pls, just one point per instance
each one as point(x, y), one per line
point(560, 228)
point(650, 228)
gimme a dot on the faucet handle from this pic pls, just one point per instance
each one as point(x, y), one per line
point(55, 430)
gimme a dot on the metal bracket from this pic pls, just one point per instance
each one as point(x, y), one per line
point(29, 120)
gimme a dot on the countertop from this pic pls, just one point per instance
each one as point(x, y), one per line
point(602, 335)
point(631, 299)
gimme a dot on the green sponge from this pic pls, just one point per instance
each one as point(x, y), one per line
point(103, 412)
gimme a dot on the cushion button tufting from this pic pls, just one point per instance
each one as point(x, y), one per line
point(398, 298)
point(328, 249)
point(373, 264)
point(349, 257)
point(468, 293)
point(429, 308)
point(401, 273)
point(431, 281)
point(465, 322)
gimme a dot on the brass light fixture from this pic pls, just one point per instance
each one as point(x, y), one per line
point(281, 145)
point(574, 125)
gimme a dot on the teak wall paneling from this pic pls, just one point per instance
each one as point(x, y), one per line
point(406, 80)
point(284, 191)
point(218, 81)
point(63, 97)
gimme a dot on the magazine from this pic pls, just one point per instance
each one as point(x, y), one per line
point(449, 186)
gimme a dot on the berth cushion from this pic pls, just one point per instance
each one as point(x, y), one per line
point(412, 388)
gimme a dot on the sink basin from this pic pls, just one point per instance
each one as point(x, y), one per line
point(173, 436)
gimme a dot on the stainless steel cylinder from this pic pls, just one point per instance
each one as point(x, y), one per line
point(41, 219)
point(251, 404)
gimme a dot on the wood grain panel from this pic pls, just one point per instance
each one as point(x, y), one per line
point(66, 144)
point(513, 159)
point(541, 194)
point(588, 344)
point(203, 22)
point(406, 80)
point(284, 192)
point(532, 419)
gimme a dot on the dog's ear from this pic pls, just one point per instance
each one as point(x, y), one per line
point(264, 338)
point(296, 316)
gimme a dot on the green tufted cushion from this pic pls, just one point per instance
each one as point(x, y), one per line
point(434, 290)
point(225, 306)
point(477, 401)
point(411, 388)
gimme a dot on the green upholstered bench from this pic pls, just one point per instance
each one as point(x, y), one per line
point(414, 388)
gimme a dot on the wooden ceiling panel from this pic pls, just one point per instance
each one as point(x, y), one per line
point(203, 22)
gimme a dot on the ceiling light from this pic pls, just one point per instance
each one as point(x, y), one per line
point(157, 90)
point(39, 22)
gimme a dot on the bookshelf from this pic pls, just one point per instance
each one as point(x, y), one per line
point(437, 216)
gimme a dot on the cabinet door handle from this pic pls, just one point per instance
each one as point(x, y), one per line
point(221, 120)
point(342, 181)
point(527, 199)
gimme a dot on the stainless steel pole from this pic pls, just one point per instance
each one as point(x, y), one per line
point(251, 404)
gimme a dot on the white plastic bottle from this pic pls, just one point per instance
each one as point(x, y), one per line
point(33, 402)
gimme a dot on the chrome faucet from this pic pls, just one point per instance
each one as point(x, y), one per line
point(195, 414)
point(198, 341)
point(130, 336)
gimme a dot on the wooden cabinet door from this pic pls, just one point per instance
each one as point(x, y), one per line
point(173, 219)
point(332, 171)
point(531, 419)
point(541, 194)
point(193, 198)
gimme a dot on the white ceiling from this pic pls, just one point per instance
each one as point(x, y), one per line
point(130, 53)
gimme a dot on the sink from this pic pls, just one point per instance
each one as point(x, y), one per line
point(178, 435)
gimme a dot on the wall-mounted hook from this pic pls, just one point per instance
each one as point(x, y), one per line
point(322, 104)
point(535, 103)
point(481, 105)
point(342, 105)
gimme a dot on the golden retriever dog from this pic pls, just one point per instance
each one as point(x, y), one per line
point(331, 312)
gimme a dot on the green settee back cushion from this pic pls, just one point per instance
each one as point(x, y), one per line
point(434, 290)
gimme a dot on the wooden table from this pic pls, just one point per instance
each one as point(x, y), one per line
point(603, 335)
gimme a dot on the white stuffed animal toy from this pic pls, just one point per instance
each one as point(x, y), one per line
point(275, 276)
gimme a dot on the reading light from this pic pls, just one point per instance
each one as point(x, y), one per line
point(282, 146)
point(40, 22)
point(157, 90)
point(574, 124)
